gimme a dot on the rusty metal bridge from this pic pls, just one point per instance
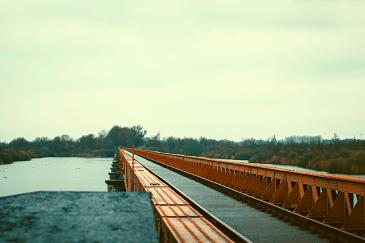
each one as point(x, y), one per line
point(208, 200)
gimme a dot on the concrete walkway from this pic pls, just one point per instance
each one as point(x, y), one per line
point(77, 216)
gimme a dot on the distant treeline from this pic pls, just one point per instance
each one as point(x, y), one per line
point(102, 145)
point(333, 155)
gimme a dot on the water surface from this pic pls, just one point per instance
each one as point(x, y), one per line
point(54, 174)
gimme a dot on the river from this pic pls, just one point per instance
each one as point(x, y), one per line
point(54, 174)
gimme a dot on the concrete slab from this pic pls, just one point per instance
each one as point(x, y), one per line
point(77, 216)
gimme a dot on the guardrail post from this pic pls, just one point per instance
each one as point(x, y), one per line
point(356, 221)
point(339, 211)
point(306, 204)
point(294, 197)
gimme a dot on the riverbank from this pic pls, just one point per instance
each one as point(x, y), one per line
point(9, 155)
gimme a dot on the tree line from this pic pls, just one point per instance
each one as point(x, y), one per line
point(333, 155)
point(90, 145)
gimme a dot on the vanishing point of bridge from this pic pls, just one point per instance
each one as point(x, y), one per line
point(208, 200)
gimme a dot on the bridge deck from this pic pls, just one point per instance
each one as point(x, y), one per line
point(256, 225)
point(183, 221)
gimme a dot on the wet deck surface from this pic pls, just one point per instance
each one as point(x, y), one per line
point(256, 225)
point(77, 217)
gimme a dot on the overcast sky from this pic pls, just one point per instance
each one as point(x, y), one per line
point(220, 69)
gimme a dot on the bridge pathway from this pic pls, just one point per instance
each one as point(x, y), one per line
point(256, 225)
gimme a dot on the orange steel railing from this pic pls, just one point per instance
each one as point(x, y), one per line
point(331, 199)
point(176, 219)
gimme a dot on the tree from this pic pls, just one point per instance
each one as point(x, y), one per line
point(154, 141)
point(19, 142)
point(87, 142)
point(41, 141)
point(125, 136)
point(335, 138)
